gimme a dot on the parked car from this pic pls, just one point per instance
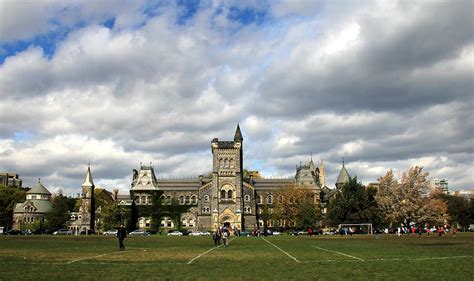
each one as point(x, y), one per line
point(14, 232)
point(205, 233)
point(87, 232)
point(63, 232)
point(111, 232)
point(299, 232)
point(195, 233)
point(175, 233)
point(277, 233)
point(139, 233)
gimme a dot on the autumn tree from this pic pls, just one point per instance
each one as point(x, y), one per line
point(460, 209)
point(295, 207)
point(409, 199)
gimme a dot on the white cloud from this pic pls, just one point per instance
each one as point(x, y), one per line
point(317, 77)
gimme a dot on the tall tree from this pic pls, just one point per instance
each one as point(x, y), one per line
point(9, 197)
point(409, 199)
point(460, 209)
point(294, 207)
point(354, 203)
point(59, 214)
point(114, 215)
point(309, 214)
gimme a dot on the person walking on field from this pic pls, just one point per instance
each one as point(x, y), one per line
point(225, 235)
point(121, 234)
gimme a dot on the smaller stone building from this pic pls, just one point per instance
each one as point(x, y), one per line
point(32, 211)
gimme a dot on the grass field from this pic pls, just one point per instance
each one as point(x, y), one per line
point(246, 258)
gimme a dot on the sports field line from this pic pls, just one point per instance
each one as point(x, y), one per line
point(210, 250)
point(98, 256)
point(340, 253)
point(295, 259)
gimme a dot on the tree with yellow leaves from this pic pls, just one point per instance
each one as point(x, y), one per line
point(409, 199)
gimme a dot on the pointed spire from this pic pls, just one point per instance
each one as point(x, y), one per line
point(238, 134)
point(343, 176)
point(89, 182)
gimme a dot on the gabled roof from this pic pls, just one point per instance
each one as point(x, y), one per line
point(343, 175)
point(38, 189)
point(238, 134)
point(88, 182)
point(41, 206)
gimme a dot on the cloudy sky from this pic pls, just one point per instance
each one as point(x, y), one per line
point(383, 84)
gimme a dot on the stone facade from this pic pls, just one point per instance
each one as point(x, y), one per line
point(32, 211)
point(224, 195)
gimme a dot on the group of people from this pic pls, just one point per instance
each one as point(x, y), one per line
point(412, 230)
point(221, 233)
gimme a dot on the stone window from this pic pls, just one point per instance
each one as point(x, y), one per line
point(194, 200)
point(247, 198)
point(137, 199)
point(259, 200)
point(206, 198)
point(280, 199)
point(223, 194)
point(270, 199)
point(181, 200)
point(168, 199)
point(229, 195)
point(247, 210)
point(188, 199)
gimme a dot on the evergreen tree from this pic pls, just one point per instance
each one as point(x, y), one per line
point(353, 204)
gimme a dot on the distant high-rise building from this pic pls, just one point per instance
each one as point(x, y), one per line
point(439, 184)
point(9, 179)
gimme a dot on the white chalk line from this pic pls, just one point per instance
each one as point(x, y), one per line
point(98, 256)
point(340, 253)
point(295, 259)
point(210, 250)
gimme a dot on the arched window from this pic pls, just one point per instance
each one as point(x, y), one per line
point(270, 199)
point(221, 163)
point(232, 163)
point(137, 199)
point(280, 199)
point(168, 199)
point(188, 199)
point(229, 195)
point(206, 198)
point(247, 210)
point(259, 200)
point(247, 198)
point(149, 200)
point(194, 200)
point(191, 223)
point(223, 194)
point(144, 200)
point(181, 200)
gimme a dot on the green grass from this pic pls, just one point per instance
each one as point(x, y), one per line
point(246, 258)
